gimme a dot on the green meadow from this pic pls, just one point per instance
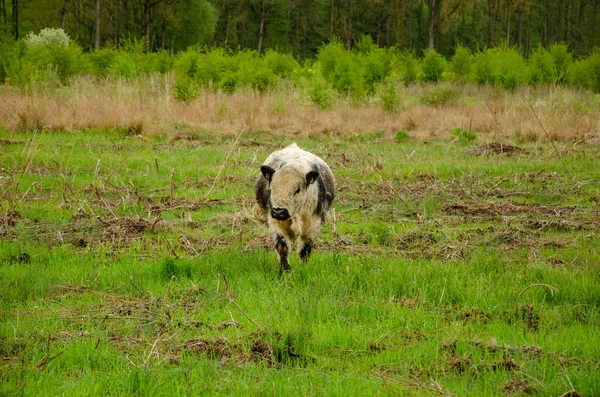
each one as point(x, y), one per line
point(136, 265)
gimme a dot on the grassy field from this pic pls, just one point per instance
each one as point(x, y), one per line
point(132, 264)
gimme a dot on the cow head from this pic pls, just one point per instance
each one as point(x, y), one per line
point(289, 190)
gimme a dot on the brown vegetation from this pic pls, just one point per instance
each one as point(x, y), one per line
point(146, 106)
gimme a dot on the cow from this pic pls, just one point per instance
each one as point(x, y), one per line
point(295, 190)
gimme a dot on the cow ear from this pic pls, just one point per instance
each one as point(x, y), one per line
point(311, 177)
point(267, 172)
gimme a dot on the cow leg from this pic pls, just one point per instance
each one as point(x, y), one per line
point(282, 249)
point(306, 250)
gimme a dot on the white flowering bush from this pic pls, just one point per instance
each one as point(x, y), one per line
point(50, 53)
point(48, 37)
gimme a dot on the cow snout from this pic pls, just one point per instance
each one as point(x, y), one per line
point(281, 214)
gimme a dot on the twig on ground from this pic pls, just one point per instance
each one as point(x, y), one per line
point(226, 283)
point(48, 306)
point(47, 359)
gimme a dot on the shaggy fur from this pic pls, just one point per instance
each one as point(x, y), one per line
point(295, 190)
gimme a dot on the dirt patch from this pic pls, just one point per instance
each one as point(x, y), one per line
point(8, 220)
point(119, 229)
point(518, 386)
point(563, 225)
point(474, 315)
point(511, 237)
point(459, 364)
point(6, 141)
point(530, 317)
point(496, 148)
point(494, 209)
point(261, 350)
point(215, 348)
point(416, 239)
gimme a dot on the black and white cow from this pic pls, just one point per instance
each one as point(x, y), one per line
point(295, 191)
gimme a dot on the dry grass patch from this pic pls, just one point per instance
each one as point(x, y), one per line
point(146, 106)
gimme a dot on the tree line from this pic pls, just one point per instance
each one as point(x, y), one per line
point(300, 27)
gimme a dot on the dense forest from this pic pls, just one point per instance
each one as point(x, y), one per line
point(300, 27)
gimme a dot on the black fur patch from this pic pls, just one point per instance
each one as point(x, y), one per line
point(306, 250)
point(326, 193)
point(282, 249)
point(263, 193)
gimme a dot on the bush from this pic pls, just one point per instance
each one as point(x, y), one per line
point(409, 68)
point(328, 56)
point(502, 65)
point(433, 66)
point(483, 67)
point(48, 37)
point(389, 97)
point(462, 62)
point(562, 61)
point(541, 67)
point(321, 94)
point(511, 67)
point(280, 64)
point(52, 49)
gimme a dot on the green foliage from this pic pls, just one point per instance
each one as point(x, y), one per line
point(463, 136)
point(321, 94)
point(409, 68)
point(389, 97)
point(11, 53)
point(503, 66)
point(51, 50)
point(401, 136)
point(562, 61)
point(541, 67)
point(328, 57)
point(102, 60)
point(280, 64)
point(433, 66)
point(462, 62)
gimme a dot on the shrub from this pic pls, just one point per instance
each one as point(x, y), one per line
point(328, 56)
point(389, 97)
point(48, 37)
point(511, 67)
point(102, 60)
point(320, 93)
point(562, 61)
point(52, 48)
point(541, 67)
point(483, 68)
point(280, 64)
point(433, 66)
point(409, 68)
point(461, 63)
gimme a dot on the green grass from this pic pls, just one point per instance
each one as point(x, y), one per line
point(123, 271)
